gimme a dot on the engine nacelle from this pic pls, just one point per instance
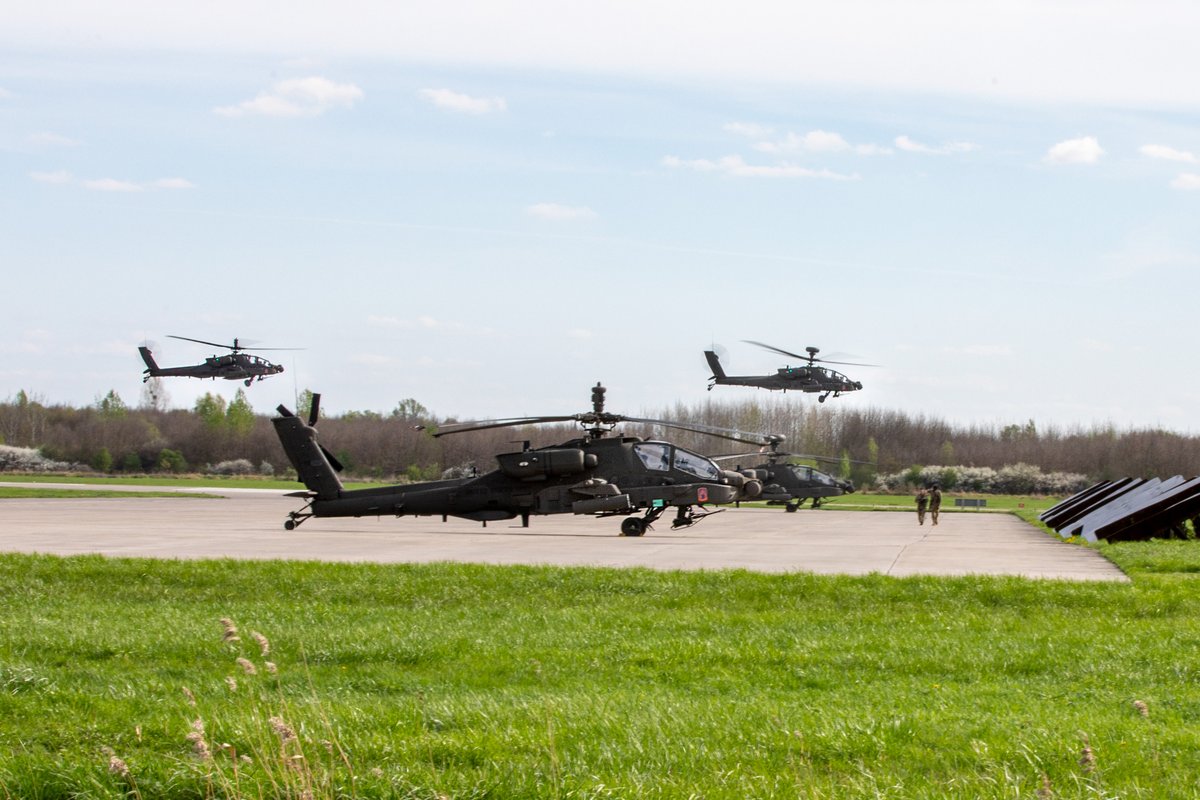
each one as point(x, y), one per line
point(538, 465)
point(751, 489)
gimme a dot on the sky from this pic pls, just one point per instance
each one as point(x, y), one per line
point(490, 206)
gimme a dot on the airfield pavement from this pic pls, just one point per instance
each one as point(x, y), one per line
point(248, 524)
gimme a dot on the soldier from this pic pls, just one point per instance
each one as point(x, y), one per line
point(935, 502)
point(922, 501)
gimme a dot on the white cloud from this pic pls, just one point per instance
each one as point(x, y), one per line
point(59, 176)
point(811, 142)
point(749, 129)
point(912, 146)
point(555, 211)
point(62, 177)
point(819, 142)
point(579, 333)
point(1167, 153)
point(463, 103)
point(738, 168)
point(5, 94)
point(113, 185)
point(1117, 54)
point(1085, 150)
point(298, 97)
point(47, 139)
point(1188, 181)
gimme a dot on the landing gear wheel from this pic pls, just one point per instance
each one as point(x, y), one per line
point(791, 507)
point(289, 525)
point(633, 526)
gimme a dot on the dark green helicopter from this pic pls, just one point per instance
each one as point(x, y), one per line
point(237, 365)
point(790, 484)
point(595, 474)
point(808, 377)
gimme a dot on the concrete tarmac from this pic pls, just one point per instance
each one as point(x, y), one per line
point(248, 523)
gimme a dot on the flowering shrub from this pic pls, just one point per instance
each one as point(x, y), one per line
point(239, 466)
point(1009, 479)
point(26, 459)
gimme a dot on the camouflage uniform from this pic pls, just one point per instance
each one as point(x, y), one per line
point(922, 501)
point(935, 503)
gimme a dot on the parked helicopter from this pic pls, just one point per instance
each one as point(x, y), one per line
point(594, 474)
point(237, 365)
point(789, 484)
point(805, 378)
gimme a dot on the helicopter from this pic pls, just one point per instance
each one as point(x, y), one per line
point(789, 484)
point(805, 378)
point(237, 365)
point(595, 474)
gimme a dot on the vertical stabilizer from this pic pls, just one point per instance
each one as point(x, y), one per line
point(714, 364)
point(314, 465)
point(148, 357)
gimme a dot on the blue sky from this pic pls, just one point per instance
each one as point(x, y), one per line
point(489, 207)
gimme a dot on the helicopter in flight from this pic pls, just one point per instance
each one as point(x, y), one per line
point(595, 474)
point(808, 377)
point(236, 365)
point(790, 484)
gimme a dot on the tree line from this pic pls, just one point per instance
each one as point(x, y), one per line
point(112, 436)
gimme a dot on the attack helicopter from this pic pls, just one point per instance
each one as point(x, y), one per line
point(790, 484)
point(808, 377)
point(595, 474)
point(237, 365)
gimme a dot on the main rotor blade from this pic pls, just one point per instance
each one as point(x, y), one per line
point(845, 363)
point(201, 341)
point(811, 357)
point(711, 430)
point(732, 456)
point(482, 425)
point(782, 454)
point(235, 347)
point(777, 350)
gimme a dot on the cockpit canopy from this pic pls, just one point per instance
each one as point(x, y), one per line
point(661, 457)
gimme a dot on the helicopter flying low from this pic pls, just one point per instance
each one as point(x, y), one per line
point(790, 484)
point(236, 365)
point(807, 377)
point(595, 474)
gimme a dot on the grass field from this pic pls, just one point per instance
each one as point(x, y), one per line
point(513, 682)
point(188, 481)
point(191, 481)
point(25, 491)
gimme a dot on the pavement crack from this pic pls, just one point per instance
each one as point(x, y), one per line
point(900, 555)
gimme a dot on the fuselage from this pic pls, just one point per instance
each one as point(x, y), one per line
point(585, 476)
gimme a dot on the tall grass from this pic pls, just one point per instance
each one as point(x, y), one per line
point(442, 680)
